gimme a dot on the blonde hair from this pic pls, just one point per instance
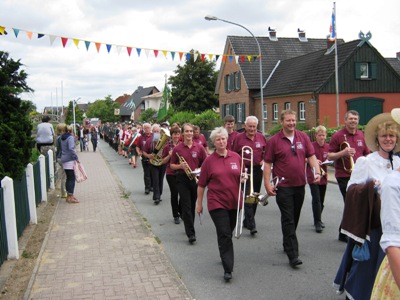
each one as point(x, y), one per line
point(320, 128)
point(388, 127)
point(61, 128)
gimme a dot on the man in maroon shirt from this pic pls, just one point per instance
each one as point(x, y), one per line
point(318, 190)
point(143, 140)
point(193, 155)
point(229, 124)
point(254, 139)
point(287, 151)
point(342, 157)
point(199, 138)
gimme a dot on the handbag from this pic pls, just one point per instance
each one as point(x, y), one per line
point(361, 253)
point(79, 170)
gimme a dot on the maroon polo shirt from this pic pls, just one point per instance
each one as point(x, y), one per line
point(285, 163)
point(149, 145)
point(355, 141)
point(222, 177)
point(143, 140)
point(201, 139)
point(258, 144)
point(321, 153)
point(194, 156)
point(231, 138)
point(165, 153)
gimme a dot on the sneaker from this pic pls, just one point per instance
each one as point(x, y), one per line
point(192, 239)
point(294, 262)
point(227, 276)
point(176, 220)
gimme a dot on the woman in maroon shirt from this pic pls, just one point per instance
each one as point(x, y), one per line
point(221, 172)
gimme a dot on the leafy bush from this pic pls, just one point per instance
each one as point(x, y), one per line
point(182, 117)
point(208, 120)
point(149, 115)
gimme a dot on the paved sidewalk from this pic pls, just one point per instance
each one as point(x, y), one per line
point(101, 247)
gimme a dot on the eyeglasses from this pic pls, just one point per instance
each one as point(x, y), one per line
point(293, 148)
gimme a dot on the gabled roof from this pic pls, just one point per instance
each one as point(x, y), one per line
point(135, 99)
point(272, 52)
point(307, 73)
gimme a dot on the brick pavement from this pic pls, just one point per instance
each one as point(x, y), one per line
point(101, 247)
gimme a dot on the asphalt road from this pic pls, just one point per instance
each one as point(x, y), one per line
point(261, 267)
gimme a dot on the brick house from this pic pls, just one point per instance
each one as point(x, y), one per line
point(299, 73)
point(135, 105)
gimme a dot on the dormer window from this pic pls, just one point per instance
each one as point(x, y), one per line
point(302, 35)
point(272, 34)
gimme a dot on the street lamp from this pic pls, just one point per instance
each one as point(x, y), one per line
point(212, 18)
point(74, 102)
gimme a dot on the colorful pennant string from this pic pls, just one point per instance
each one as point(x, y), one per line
point(64, 41)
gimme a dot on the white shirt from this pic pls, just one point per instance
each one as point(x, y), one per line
point(390, 211)
point(371, 167)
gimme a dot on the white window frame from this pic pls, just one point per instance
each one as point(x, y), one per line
point(275, 111)
point(302, 111)
point(265, 112)
point(287, 105)
point(366, 73)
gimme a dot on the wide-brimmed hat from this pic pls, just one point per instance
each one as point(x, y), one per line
point(370, 131)
point(396, 115)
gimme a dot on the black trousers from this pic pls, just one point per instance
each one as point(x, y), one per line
point(175, 205)
point(318, 198)
point(225, 222)
point(146, 174)
point(157, 178)
point(187, 190)
point(290, 201)
point(250, 209)
point(342, 183)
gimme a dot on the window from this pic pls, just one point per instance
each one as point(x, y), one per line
point(366, 71)
point(275, 111)
point(302, 111)
point(240, 112)
point(265, 112)
point(229, 82)
point(237, 81)
point(287, 105)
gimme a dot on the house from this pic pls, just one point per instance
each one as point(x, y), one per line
point(135, 105)
point(299, 73)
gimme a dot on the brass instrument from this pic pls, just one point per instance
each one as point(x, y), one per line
point(252, 197)
point(322, 171)
point(158, 149)
point(349, 161)
point(274, 182)
point(188, 170)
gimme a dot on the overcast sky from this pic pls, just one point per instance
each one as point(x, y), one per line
point(162, 25)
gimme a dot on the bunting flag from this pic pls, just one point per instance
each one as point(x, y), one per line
point(332, 28)
point(186, 55)
point(162, 111)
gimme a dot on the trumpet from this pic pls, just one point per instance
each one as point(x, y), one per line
point(188, 170)
point(263, 200)
point(346, 160)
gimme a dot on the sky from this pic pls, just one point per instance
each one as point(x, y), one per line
point(59, 74)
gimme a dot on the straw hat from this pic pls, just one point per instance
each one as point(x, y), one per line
point(370, 129)
point(396, 115)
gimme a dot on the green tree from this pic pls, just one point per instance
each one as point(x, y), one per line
point(104, 110)
point(193, 85)
point(149, 115)
point(16, 140)
point(69, 116)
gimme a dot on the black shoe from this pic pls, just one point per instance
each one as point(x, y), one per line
point(192, 239)
point(147, 191)
point(156, 201)
point(318, 227)
point(322, 224)
point(342, 238)
point(295, 262)
point(227, 276)
point(151, 189)
point(176, 220)
point(253, 231)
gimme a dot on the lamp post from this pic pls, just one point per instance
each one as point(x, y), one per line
point(212, 18)
point(74, 102)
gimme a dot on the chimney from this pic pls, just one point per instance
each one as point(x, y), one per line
point(302, 35)
point(329, 42)
point(272, 34)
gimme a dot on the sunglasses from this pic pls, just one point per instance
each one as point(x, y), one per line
point(293, 148)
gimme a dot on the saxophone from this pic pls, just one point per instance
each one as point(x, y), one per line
point(158, 149)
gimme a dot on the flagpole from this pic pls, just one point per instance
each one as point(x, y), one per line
point(336, 69)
